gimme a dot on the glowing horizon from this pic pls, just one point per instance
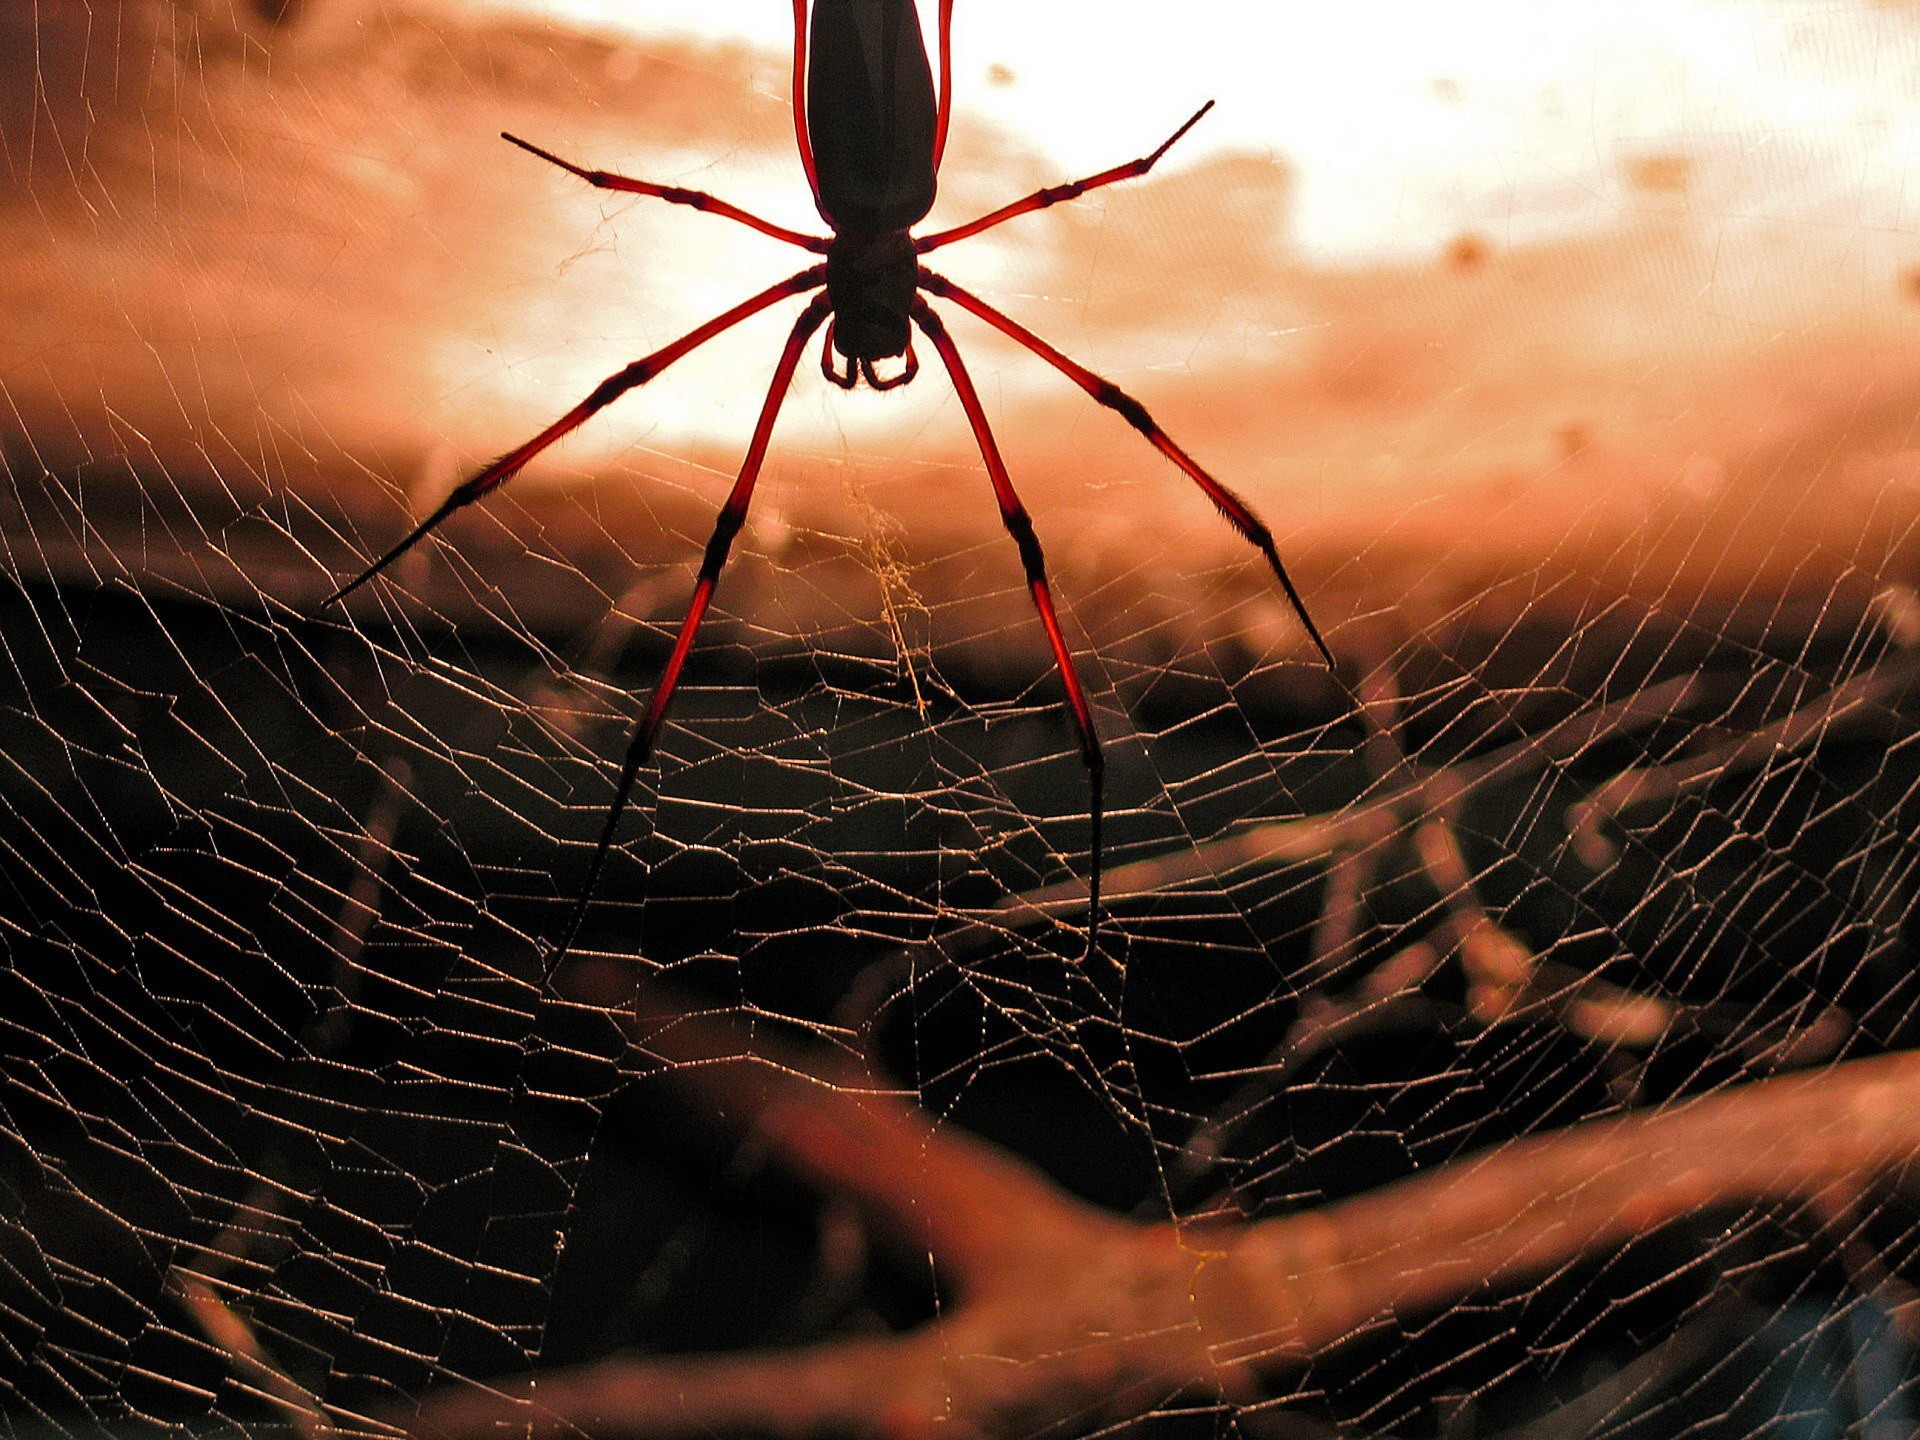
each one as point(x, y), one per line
point(1409, 257)
point(1405, 124)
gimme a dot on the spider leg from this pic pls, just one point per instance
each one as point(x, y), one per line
point(800, 135)
point(946, 83)
point(1238, 513)
point(604, 394)
point(732, 516)
point(1054, 194)
point(1014, 516)
point(845, 380)
point(909, 368)
point(674, 195)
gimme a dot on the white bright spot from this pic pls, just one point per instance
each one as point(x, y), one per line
point(1409, 122)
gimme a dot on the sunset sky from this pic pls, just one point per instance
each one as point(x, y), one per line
point(1502, 286)
point(1406, 121)
point(1686, 224)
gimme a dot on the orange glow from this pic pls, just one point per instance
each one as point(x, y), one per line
point(1413, 250)
point(1493, 281)
point(1407, 122)
point(1396, 127)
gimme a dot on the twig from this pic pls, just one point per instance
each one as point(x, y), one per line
point(1842, 1215)
point(1310, 838)
point(1860, 705)
point(1353, 872)
point(361, 907)
point(233, 1334)
point(1066, 1314)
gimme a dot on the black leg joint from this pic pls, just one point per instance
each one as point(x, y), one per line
point(721, 544)
point(468, 491)
point(1021, 528)
point(618, 383)
point(1128, 408)
point(928, 318)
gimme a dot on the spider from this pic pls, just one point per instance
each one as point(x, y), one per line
point(871, 137)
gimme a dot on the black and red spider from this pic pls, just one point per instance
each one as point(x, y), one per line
point(871, 136)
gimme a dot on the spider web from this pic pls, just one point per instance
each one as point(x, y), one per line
point(1597, 466)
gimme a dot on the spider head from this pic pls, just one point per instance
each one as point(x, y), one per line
point(871, 280)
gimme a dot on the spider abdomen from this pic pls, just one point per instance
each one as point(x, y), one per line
point(871, 115)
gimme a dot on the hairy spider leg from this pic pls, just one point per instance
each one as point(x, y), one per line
point(604, 394)
point(946, 83)
point(845, 380)
point(1055, 194)
point(1237, 511)
point(910, 369)
point(1019, 524)
point(732, 516)
point(800, 135)
point(674, 195)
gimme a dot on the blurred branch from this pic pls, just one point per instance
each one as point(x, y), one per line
point(1062, 1313)
point(1311, 838)
point(1407, 792)
point(1505, 978)
point(253, 1367)
point(1861, 706)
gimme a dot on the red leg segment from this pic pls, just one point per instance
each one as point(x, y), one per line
point(674, 195)
point(1054, 194)
point(604, 394)
point(1014, 516)
point(732, 516)
point(946, 83)
point(846, 379)
point(1238, 514)
point(909, 368)
point(800, 135)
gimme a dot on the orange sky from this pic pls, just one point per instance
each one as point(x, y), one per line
point(1683, 204)
point(1678, 351)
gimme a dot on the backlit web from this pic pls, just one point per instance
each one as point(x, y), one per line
point(1528, 1049)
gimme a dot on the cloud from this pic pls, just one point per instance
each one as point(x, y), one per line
point(323, 279)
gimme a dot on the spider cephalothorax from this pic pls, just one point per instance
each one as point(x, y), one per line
point(871, 136)
point(871, 284)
